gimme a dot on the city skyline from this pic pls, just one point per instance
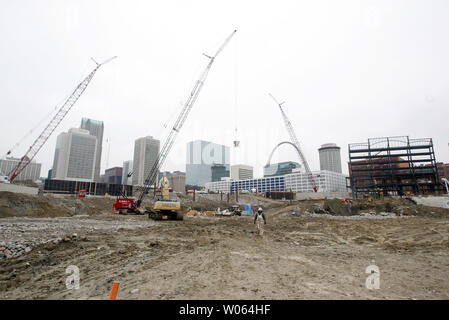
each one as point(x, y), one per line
point(103, 168)
point(368, 50)
point(124, 163)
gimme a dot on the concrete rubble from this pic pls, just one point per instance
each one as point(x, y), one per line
point(21, 235)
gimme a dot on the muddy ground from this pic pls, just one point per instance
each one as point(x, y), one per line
point(305, 253)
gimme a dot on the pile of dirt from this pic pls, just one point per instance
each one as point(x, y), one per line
point(20, 205)
point(211, 202)
point(23, 205)
point(399, 207)
point(204, 205)
point(27, 183)
point(337, 207)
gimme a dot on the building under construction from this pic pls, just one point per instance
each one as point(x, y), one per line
point(393, 166)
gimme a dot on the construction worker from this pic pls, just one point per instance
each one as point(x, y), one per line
point(260, 218)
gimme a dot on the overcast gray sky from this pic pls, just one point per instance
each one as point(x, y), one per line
point(348, 71)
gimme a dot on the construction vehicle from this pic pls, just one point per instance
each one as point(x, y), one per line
point(128, 205)
point(232, 211)
point(165, 208)
point(162, 155)
point(55, 121)
point(125, 206)
point(295, 141)
point(235, 210)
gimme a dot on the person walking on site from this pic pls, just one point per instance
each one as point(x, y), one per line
point(259, 217)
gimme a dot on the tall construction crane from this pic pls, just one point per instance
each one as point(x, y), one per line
point(295, 141)
point(55, 121)
point(151, 178)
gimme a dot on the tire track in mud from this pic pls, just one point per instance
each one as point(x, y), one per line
point(198, 269)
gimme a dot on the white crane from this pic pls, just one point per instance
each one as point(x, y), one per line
point(295, 141)
point(151, 178)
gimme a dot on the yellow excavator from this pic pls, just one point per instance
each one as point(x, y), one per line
point(165, 208)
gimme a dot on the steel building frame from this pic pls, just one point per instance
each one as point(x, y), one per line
point(393, 166)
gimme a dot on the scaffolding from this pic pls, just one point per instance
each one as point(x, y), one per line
point(393, 166)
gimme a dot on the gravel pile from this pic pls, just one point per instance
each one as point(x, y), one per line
point(21, 235)
point(362, 215)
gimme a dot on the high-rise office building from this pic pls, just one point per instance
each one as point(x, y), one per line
point(241, 172)
point(146, 151)
point(75, 156)
point(330, 158)
point(219, 171)
point(96, 129)
point(113, 175)
point(177, 181)
point(31, 172)
point(201, 156)
point(127, 172)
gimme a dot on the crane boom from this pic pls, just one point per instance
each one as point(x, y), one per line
point(55, 121)
point(295, 141)
point(151, 178)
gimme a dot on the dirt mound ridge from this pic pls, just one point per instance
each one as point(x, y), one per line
point(23, 205)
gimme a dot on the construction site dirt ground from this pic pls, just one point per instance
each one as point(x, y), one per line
point(300, 256)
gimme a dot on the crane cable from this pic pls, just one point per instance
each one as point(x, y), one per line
point(44, 119)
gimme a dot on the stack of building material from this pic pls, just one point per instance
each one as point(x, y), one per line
point(192, 213)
